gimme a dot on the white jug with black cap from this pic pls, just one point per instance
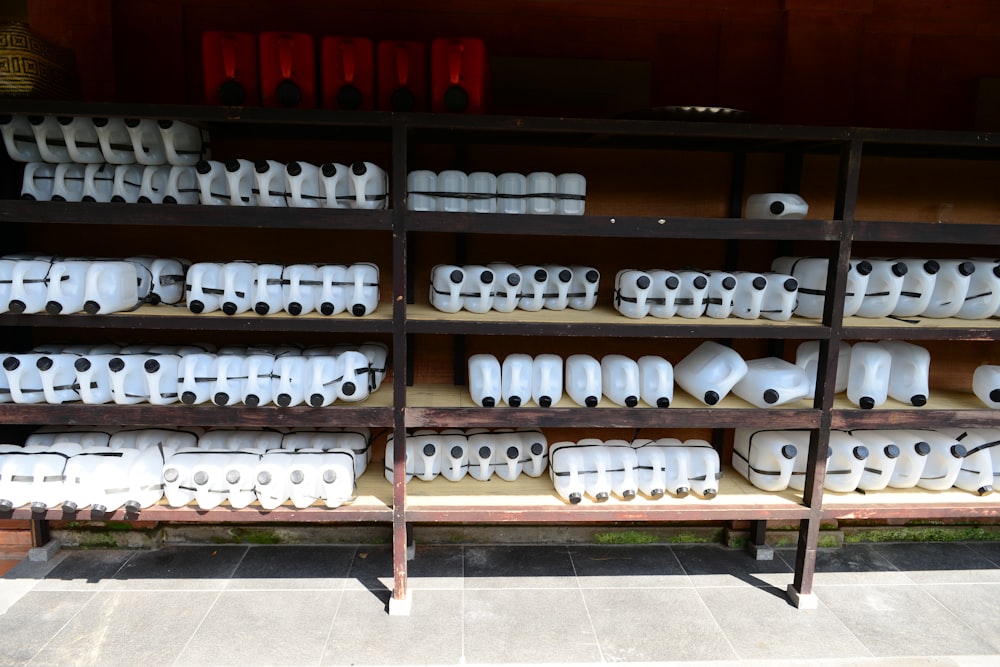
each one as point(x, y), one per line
point(918, 286)
point(288, 385)
point(583, 288)
point(807, 358)
point(846, 463)
point(662, 299)
point(883, 452)
point(986, 385)
point(780, 297)
point(213, 185)
point(748, 297)
point(49, 139)
point(127, 186)
point(300, 284)
point(508, 456)
point(583, 380)
point(776, 206)
point(377, 355)
point(114, 140)
point(982, 299)
point(620, 380)
point(204, 287)
point(767, 458)
point(516, 374)
point(98, 182)
point(302, 183)
point(447, 288)
point(454, 454)
point(534, 281)
point(482, 453)
point(93, 378)
point(506, 286)
point(951, 286)
point(354, 382)
point(772, 381)
point(909, 372)
point(363, 286)
point(228, 371)
point(195, 378)
point(80, 137)
point(29, 284)
point(267, 289)
point(38, 181)
point(369, 186)
point(269, 184)
point(19, 139)
point(709, 372)
point(535, 449)
point(868, 377)
point(128, 378)
point(485, 383)
point(147, 143)
point(183, 144)
point(557, 288)
point(256, 388)
point(237, 287)
point(656, 381)
point(67, 182)
point(811, 274)
point(477, 288)
point(331, 297)
point(858, 273)
point(112, 287)
point(978, 470)
point(153, 186)
point(885, 285)
point(721, 294)
point(692, 297)
point(240, 178)
point(182, 186)
point(633, 290)
point(58, 375)
point(913, 452)
point(161, 373)
point(944, 461)
point(167, 275)
point(67, 286)
point(546, 380)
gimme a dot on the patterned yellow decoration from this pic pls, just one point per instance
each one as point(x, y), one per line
point(31, 67)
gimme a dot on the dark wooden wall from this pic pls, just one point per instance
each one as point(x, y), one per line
point(895, 63)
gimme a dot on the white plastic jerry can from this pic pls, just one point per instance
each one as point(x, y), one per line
point(780, 297)
point(908, 372)
point(335, 185)
point(271, 477)
point(913, 453)
point(421, 189)
point(303, 477)
point(986, 385)
point(583, 380)
point(976, 473)
point(23, 378)
point(267, 289)
point(178, 489)
point(662, 297)
point(534, 280)
point(6, 279)
point(182, 186)
point(227, 374)
point(447, 283)
point(255, 385)
point(114, 140)
point(93, 378)
point(709, 372)
point(183, 144)
point(363, 287)
point(572, 194)
point(269, 184)
point(508, 455)
point(19, 139)
point(238, 475)
point(704, 470)
point(656, 381)
point(944, 461)
point(568, 467)
point(38, 181)
point(323, 375)
point(302, 183)
point(98, 182)
point(583, 288)
point(506, 286)
point(16, 477)
point(477, 288)
point(535, 447)
point(692, 297)
point(58, 375)
point(883, 452)
point(482, 192)
point(868, 377)
point(288, 384)
point(623, 469)
point(776, 206)
point(597, 469)
point(558, 287)
point(650, 467)
point(49, 139)
point(811, 274)
point(885, 284)
point(452, 186)
point(772, 381)
point(858, 273)
point(237, 284)
point(542, 189)
point(80, 138)
point(331, 299)
point(147, 143)
point(982, 299)
point(918, 286)
point(66, 291)
point(767, 458)
point(951, 286)
point(546, 380)
point(485, 380)
point(336, 477)
point(620, 380)
point(145, 480)
point(46, 471)
point(128, 378)
point(748, 297)
point(300, 284)
point(512, 193)
point(29, 285)
point(378, 362)
point(632, 292)
point(721, 294)
point(153, 186)
point(454, 454)
point(127, 186)
point(515, 379)
point(195, 378)
point(355, 383)
point(846, 465)
point(167, 276)
point(807, 358)
point(213, 186)
point(161, 373)
point(388, 462)
point(67, 182)
point(204, 287)
point(368, 186)
point(240, 177)
point(482, 454)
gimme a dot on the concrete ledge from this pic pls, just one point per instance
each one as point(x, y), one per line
point(43, 554)
point(401, 606)
point(801, 601)
point(760, 551)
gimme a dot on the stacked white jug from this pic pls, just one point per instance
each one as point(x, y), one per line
point(538, 192)
point(504, 287)
point(478, 453)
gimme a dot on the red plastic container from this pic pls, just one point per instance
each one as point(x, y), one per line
point(402, 76)
point(347, 73)
point(287, 69)
point(459, 72)
point(230, 68)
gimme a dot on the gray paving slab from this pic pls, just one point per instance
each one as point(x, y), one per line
point(518, 625)
point(433, 567)
point(655, 624)
point(975, 605)
point(263, 628)
point(761, 625)
point(85, 570)
point(858, 564)
point(293, 567)
point(364, 634)
point(517, 566)
point(126, 628)
point(940, 562)
point(179, 567)
point(34, 620)
point(902, 620)
point(653, 566)
point(716, 565)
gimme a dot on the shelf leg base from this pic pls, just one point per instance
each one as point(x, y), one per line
point(400, 606)
point(44, 553)
point(801, 601)
point(760, 551)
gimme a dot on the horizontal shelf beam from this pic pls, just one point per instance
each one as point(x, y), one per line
point(927, 232)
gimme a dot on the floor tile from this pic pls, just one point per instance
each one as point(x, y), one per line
point(850, 565)
point(761, 624)
point(975, 605)
point(940, 562)
point(83, 570)
point(34, 619)
point(716, 565)
point(148, 628)
point(645, 625)
point(264, 628)
point(632, 566)
point(988, 550)
point(363, 633)
point(889, 620)
point(518, 625)
point(507, 566)
point(178, 567)
point(433, 567)
point(293, 567)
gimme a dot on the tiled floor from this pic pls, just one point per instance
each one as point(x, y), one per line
point(892, 604)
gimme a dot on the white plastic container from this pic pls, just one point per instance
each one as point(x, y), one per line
point(651, 468)
point(535, 448)
point(237, 287)
point(421, 184)
point(46, 467)
point(336, 480)
point(951, 286)
point(303, 477)
point(506, 286)
point(147, 144)
point(302, 183)
point(692, 297)
point(597, 471)
point(256, 388)
point(269, 184)
point(213, 186)
point(767, 458)
point(183, 144)
point(656, 381)
point(153, 186)
point(662, 299)
point(748, 297)
point(883, 453)
point(885, 284)
point(623, 469)
point(388, 463)
point(368, 186)
point(508, 455)
point(241, 177)
point(267, 289)
point(454, 455)
point(776, 206)
point(977, 471)
point(546, 380)
point(477, 288)
point(288, 385)
point(583, 380)
point(195, 378)
point(913, 452)
point(982, 299)
point(811, 273)
point(633, 290)
point(704, 470)
point(300, 286)
point(29, 285)
point(986, 385)
point(271, 477)
point(485, 380)
point(858, 274)
point(58, 375)
point(354, 384)
point(67, 182)
point(909, 372)
point(238, 473)
point(515, 379)
point(228, 372)
point(19, 140)
point(208, 476)
point(583, 288)
point(178, 488)
point(558, 286)
point(127, 185)
point(114, 140)
point(772, 381)
point(38, 181)
point(331, 298)
point(944, 461)
point(80, 136)
point(542, 189)
point(482, 192)
point(128, 378)
point(67, 286)
point(23, 378)
point(918, 286)
point(182, 186)
point(98, 182)
point(846, 465)
point(780, 297)
point(93, 379)
point(807, 358)
point(568, 466)
point(452, 185)
point(49, 139)
point(620, 380)
point(534, 280)
point(709, 372)
point(335, 184)
point(204, 287)
point(161, 373)
point(363, 288)
point(512, 192)
point(572, 191)
point(378, 362)
point(721, 290)
point(868, 377)
point(167, 276)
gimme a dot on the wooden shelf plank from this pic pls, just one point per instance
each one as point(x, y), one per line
point(943, 409)
point(922, 328)
point(910, 503)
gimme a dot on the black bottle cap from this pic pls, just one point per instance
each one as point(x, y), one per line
point(44, 363)
point(294, 308)
point(710, 493)
point(82, 365)
point(203, 166)
point(196, 307)
point(700, 282)
point(141, 200)
point(232, 164)
point(601, 496)
point(631, 401)
point(514, 401)
point(358, 310)
point(486, 277)
point(429, 449)
point(791, 284)
point(58, 198)
point(673, 282)
point(28, 196)
point(348, 388)
point(485, 452)
point(288, 93)
point(456, 452)
point(729, 282)
point(592, 401)
point(899, 269)
point(995, 395)
point(663, 402)
point(759, 283)
point(456, 99)
point(359, 168)
point(537, 448)
point(592, 276)
point(919, 400)
point(711, 397)
point(565, 276)
point(100, 122)
point(575, 498)
point(261, 308)
point(545, 401)
point(284, 400)
point(864, 267)
point(489, 402)
point(403, 99)
point(891, 451)
point(326, 308)
point(349, 97)
point(89, 307)
point(11, 363)
point(966, 268)
point(771, 397)
point(251, 400)
point(63, 120)
point(166, 124)
point(328, 169)
point(293, 168)
point(188, 398)
point(116, 365)
point(777, 207)
point(958, 451)
point(456, 276)
point(541, 275)
point(866, 402)
point(166, 200)
point(232, 93)
point(985, 490)
point(860, 452)
point(513, 452)
point(922, 448)
point(229, 308)
point(789, 452)
point(221, 398)
point(131, 122)
point(931, 266)
point(513, 279)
